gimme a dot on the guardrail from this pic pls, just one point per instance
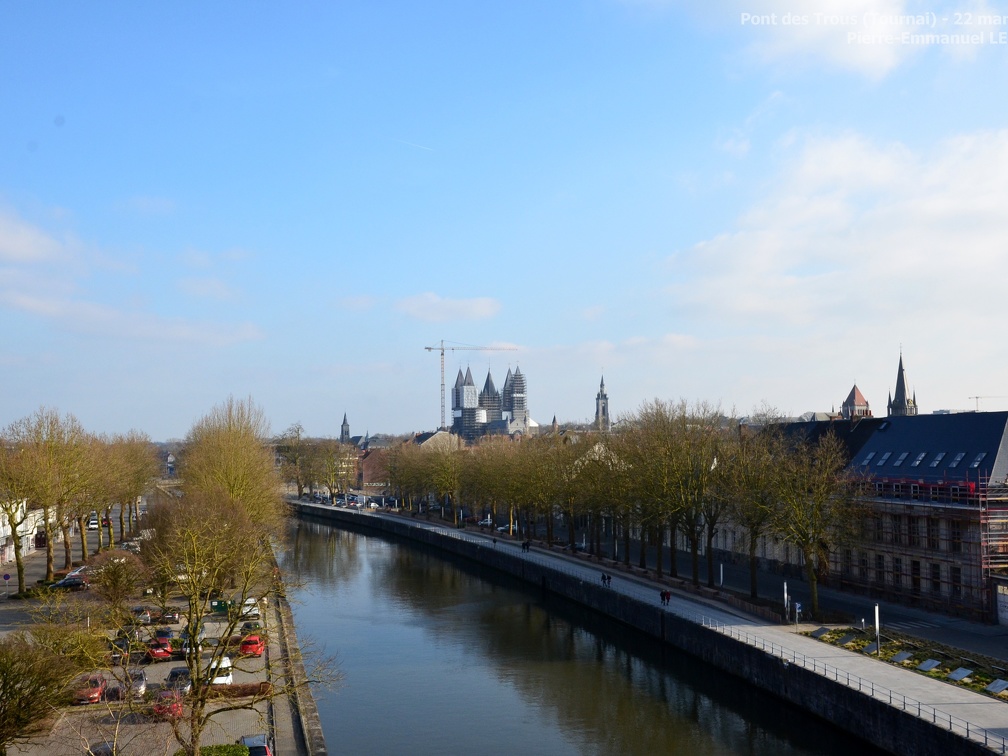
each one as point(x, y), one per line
point(992, 740)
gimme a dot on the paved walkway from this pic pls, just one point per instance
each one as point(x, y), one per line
point(979, 716)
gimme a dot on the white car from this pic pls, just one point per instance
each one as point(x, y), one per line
point(486, 523)
point(250, 609)
point(220, 672)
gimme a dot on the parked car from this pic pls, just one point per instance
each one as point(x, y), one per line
point(168, 703)
point(91, 689)
point(220, 671)
point(486, 522)
point(105, 521)
point(134, 684)
point(93, 521)
point(253, 645)
point(258, 745)
point(72, 583)
point(168, 616)
point(178, 679)
point(141, 615)
point(163, 633)
point(249, 609)
point(504, 529)
point(159, 649)
point(252, 626)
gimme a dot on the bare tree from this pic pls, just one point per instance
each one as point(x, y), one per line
point(817, 509)
point(33, 683)
point(52, 450)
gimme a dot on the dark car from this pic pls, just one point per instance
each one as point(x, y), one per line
point(72, 583)
point(168, 616)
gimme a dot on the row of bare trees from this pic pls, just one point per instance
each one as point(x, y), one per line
point(50, 464)
point(316, 462)
point(671, 469)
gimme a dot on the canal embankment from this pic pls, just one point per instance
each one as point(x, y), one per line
point(894, 709)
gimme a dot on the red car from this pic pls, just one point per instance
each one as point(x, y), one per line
point(91, 690)
point(159, 649)
point(253, 645)
point(168, 704)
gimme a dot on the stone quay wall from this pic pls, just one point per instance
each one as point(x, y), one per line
point(872, 720)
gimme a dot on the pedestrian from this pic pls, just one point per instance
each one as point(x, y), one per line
point(495, 543)
point(603, 579)
point(608, 581)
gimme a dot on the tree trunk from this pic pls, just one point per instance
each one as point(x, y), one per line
point(813, 584)
point(626, 545)
point(674, 560)
point(694, 545)
point(753, 564)
point(19, 559)
point(122, 523)
point(67, 547)
point(83, 537)
point(660, 547)
point(50, 552)
point(642, 562)
point(710, 557)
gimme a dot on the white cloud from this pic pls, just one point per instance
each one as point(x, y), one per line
point(21, 242)
point(861, 245)
point(435, 309)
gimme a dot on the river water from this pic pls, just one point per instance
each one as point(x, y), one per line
point(440, 657)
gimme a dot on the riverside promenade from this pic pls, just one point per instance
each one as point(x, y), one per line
point(292, 724)
point(896, 708)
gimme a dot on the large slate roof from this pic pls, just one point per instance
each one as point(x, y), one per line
point(950, 448)
point(938, 448)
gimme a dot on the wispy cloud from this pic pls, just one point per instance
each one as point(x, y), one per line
point(854, 231)
point(21, 242)
point(435, 309)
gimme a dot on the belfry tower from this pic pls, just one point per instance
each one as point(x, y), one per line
point(602, 421)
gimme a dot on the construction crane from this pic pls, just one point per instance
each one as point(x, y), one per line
point(991, 396)
point(442, 348)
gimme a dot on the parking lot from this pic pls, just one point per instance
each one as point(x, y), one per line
point(131, 724)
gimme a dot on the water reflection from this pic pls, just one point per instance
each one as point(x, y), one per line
point(441, 658)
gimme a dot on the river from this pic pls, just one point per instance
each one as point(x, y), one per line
point(441, 657)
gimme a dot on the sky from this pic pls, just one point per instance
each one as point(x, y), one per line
point(750, 204)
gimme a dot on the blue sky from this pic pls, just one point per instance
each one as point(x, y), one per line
point(290, 201)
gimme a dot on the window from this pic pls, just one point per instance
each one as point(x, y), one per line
point(900, 458)
point(883, 458)
point(935, 578)
point(863, 567)
point(897, 572)
point(979, 458)
point(913, 530)
point(897, 490)
point(878, 528)
point(918, 459)
point(932, 533)
point(955, 536)
point(880, 568)
point(955, 577)
point(938, 458)
point(897, 530)
point(915, 577)
point(868, 459)
point(915, 492)
point(957, 459)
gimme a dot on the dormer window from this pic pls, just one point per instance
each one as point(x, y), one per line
point(900, 458)
point(979, 458)
point(919, 459)
point(867, 459)
point(938, 458)
point(883, 459)
point(958, 459)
